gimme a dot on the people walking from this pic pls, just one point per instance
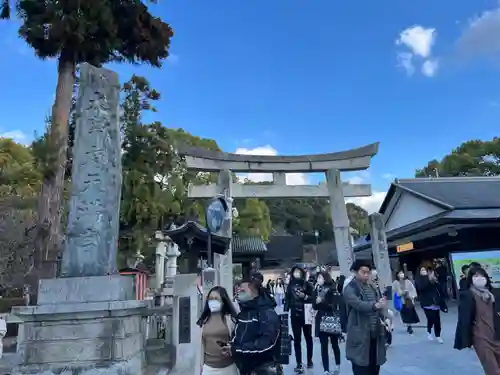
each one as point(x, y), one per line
point(279, 292)
point(216, 322)
point(432, 301)
point(405, 293)
point(366, 333)
point(298, 294)
point(255, 341)
point(463, 284)
point(330, 320)
point(476, 326)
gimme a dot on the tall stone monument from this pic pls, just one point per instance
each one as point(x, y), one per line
point(87, 322)
point(380, 250)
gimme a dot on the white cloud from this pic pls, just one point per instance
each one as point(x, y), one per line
point(372, 203)
point(430, 67)
point(417, 42)
point(480, 37)
point(291, 178)
point(15, 135)
point(388, 176)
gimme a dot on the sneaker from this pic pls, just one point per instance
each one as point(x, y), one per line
point(310, 364)
point(299, 369)
point(430, 337)
point(439, 340)
point(327, 373)
point(336, 370)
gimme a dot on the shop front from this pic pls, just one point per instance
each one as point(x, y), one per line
point(442, 223)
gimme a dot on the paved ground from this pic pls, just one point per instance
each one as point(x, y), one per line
point(412, 355)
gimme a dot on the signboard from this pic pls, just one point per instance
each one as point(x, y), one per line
point(405, 247)
point(488, 259)
point(216, 214)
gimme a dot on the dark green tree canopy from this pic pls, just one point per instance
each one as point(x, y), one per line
point(93, 31)
point(471, 158)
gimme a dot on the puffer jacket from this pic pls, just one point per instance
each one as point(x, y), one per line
point(256, 334)
point(293, 302)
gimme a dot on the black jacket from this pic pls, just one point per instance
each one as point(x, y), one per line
point(293, 302)
point(462, 284)
point(331, 303)
point(256, 334)
point(429, 293)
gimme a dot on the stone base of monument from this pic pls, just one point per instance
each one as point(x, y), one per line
point(83, 325)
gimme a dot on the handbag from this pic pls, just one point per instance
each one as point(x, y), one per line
point(330, 324)
point(398, 303)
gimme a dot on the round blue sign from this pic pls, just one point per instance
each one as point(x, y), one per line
point(216, 214)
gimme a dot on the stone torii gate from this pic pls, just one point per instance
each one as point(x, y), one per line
point(335, 190)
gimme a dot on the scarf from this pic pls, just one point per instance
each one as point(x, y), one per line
point(483, 293)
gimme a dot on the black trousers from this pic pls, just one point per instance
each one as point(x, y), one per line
point(372, 368)
point(298, 327)
point(334, 339)
point(433, 320)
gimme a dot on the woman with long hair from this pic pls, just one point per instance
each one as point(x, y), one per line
point(404, 289)
point(329, 304)
point(475, 325)
point(217, 321)
point(431, 300)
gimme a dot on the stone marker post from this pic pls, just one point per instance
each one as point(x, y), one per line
point(340, 221)
point(224, 263)
point(380, 250)
point(88, 322)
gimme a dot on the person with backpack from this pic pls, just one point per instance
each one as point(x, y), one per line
point(257, 331)
point(366, 332)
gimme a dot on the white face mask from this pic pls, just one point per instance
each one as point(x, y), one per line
point(479, 281)
point(297, 274)
point(215, 306)
point(320, 281)
point(423, 273)
point(401, 276)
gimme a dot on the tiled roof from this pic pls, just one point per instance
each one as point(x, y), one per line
point(458, 192)
point(248, 245)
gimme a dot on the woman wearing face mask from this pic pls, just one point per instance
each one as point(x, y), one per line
point(216, 322)
point(407, 293)
point(432, 302)
point(475, 326)
point(329, 302)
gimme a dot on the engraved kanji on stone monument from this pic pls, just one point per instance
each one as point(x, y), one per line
point(93, 222)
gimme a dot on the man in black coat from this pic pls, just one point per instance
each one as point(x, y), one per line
point(299, 293)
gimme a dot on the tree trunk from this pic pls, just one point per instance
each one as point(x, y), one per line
point(49, 236)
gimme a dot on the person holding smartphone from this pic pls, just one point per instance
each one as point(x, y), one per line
point(217, 322)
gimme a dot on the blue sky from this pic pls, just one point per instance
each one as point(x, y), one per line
point(315, 76)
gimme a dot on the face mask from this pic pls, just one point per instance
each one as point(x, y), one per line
point(479, 281)
point(423, 273)
point(244, 296)
point(401, 276)
point(321, 281)
point(297, 275)
point(215, 306)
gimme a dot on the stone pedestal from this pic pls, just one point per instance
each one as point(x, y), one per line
point(186, 335)
point(84, 325)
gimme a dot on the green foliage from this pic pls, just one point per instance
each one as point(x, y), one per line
point(254, 219)
point(471, 158)
point(93, 31)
